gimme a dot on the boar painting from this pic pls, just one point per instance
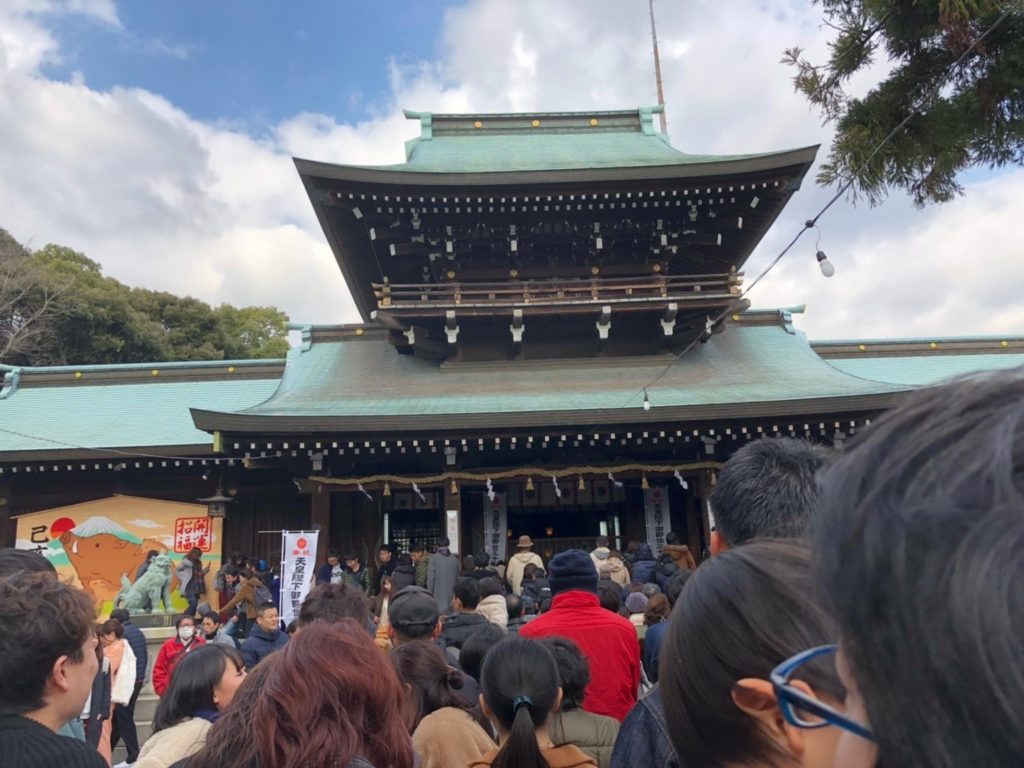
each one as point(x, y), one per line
point(101, 544)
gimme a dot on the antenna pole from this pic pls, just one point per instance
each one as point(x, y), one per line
point(657, 71)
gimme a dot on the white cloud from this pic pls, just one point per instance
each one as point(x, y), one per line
point(144, 523)
point(166, 201)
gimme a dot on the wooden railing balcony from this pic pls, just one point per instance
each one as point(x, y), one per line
point(653, 289)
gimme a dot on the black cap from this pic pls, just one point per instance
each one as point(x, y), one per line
point(413, 607)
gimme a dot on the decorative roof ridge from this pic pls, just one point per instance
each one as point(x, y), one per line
point(111, 367)
point(411, 114)
point(137, 373)
point(980, 339)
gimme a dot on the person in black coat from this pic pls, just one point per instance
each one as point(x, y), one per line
point(465, 621)
point(481, 569)
point(388, 562)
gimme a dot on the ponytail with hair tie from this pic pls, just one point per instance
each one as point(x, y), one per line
point(521, 701)
point(519, 682)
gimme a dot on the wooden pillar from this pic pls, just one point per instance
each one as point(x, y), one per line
point(320, 518)
point(453, 517)
point(7, 525)
point(704, 484)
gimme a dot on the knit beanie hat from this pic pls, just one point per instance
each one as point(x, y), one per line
point(572, 569)
point(636, 602)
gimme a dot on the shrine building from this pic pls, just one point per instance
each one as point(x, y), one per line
point(553, 342)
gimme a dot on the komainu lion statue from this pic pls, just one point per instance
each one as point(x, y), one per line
point(152, 588)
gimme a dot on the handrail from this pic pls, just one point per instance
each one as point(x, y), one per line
point(556, 291)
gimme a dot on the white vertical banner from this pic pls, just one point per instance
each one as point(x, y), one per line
point(452, 529)
point(495, 526)
point(298, 569)
point(659, 521)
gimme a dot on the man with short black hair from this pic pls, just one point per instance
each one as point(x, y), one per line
point(767, 489)
point(465, 621)
point(355, 575)
point(214, 633)
point(265, 638)
point(332, 603)
point(47, 666)
point(514, 604)
point(331, 571)
point(388, 563)
point(123, 725)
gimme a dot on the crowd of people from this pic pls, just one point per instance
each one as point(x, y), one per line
point(858, 609)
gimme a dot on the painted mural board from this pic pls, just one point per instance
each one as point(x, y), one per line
point(95, 542)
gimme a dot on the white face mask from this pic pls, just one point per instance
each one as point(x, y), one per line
point(186, 633)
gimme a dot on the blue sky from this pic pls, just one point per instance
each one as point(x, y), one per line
point(252, 62)
point(157, 138)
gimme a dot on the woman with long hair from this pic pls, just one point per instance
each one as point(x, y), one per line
point(444, 732)
point(328, 699)
point(203, 686)
point(520, 688)
point(740, 615)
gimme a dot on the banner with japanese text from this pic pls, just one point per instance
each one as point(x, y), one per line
point(100, 545)
point(298, 569)
point(659, 521)
point(495, 526)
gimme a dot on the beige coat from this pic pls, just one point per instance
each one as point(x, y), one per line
point(449, 737)
point(517, 564)
point(166, 747)
point(594, 734)
point(613, 568)
point(495, 610)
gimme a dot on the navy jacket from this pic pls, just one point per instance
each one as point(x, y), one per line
point(260, 644)
point(137, 642)
point(643, 738)
point(644, 565)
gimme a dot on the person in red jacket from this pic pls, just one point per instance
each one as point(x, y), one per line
point(607, 640)
point(174, 650)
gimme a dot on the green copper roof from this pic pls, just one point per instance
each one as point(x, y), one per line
point(556, 141)
point(923, 370)
point(560, 141)
point(359, 383)
point(50, 410)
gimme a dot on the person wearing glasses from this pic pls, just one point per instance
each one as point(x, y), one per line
point(767, 489)
point(741, 614)
point(919, 550)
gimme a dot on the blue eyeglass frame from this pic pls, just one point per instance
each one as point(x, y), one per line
point(790, 697)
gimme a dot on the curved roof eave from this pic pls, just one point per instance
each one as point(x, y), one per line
point(724, 166)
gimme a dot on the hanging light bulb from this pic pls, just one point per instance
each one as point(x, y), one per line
point(529, 483)
point(583, 484)
point(647, 401)
point(644, 484)
point(455, 487)
point(827, 269)
point(387, 488)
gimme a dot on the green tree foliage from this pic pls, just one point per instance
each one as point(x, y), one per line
point(80, 316)
point(976, 119)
